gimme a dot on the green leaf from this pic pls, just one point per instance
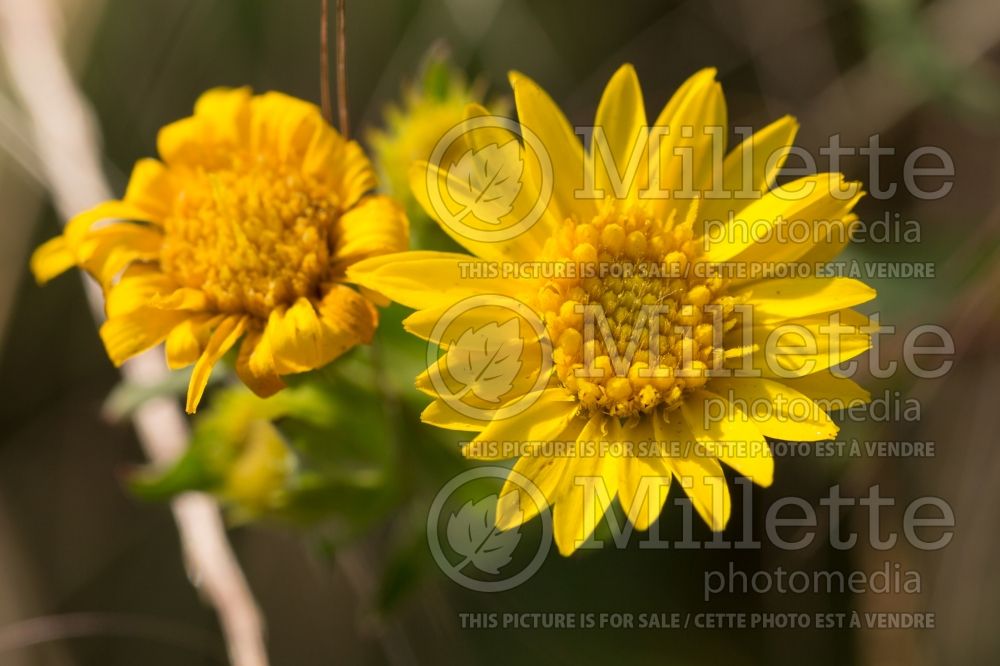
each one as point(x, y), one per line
point(188, 473)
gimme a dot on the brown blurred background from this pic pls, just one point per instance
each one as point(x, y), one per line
point(92, 576)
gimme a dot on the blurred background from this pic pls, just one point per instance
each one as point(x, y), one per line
point(91, 575)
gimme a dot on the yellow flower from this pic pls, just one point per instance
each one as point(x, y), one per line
point(637, 375)
point(255, 481)
point(244, 230)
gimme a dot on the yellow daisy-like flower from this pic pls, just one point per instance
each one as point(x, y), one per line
point(654, 369)
point(243, 229)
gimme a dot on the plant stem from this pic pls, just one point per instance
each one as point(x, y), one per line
point(345, 127)
point(324, 62)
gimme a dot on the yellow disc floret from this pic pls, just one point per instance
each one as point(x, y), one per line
point(252, 236)
point(639, 324)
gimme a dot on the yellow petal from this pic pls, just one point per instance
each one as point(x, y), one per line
point(682, 164)
point(260, 362)
point(51, 258)
point(809, 203)
point(830, 391)
point(476, 136)
point(284, 124)
point(779, 300)
point(455, 218)
point(538, 113)
point(139, 287)
point(442, 415)
point(79, 225)
point(376, 226)
point(543, 421)
point(832, 239)
point(702, 478)
point(488, 309)
point(265, 384)
point(423, 279)
point(778, 410)
point(588, 486)
point(106, 252)
point(102, 252)
point(800, 347)
point(133, 333)
point(486, 393)
point(220, 122)
point(643, 480)
point(725, 432)
point(151, 188)
point(226, 114)
point(705, 484)
point(621, 115)
point(342, 164)
point(425, 385)
point(185, 142)
point(296, 130)
point(222, 339)
point(187, 340)
point(517, 503)
point(184, 298)
point(643, 486)
point(750, 169)
point(305, 337)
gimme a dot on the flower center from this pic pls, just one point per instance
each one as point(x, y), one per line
point(251, 236)
point(641, 322)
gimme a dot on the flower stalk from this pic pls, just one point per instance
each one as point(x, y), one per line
point(324, 62)
point(345, 127)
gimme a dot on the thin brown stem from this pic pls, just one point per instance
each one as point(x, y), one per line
point(345, 127)
point(324, 62)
